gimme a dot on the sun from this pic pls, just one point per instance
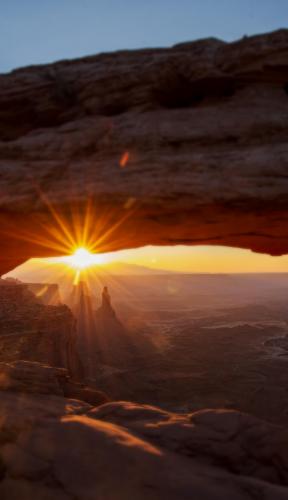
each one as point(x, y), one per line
point(83, 258)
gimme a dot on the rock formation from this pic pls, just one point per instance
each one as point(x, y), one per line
point(181, 145)
point(187, 143)
point(36, 378)
point(113, 344)
point(106, 306)
point(60, 448)
point(33, 331)
point(47, 293)
point(102, 338)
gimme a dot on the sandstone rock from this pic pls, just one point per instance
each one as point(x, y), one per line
point(56, 448)
point(187, 143)
point(48, 293)
point(102, 339)
point(112, 343)
point(237, 442)
point(33, 331)
point(32, 377)
point(120, 412)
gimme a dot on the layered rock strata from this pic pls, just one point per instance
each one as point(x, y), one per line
point(188, 143)
point(53, 447)
point(30, 330)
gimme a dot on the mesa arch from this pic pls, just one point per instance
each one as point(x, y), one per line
point(204, 128)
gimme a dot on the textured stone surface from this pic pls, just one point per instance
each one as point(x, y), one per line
point(33, 331)
point(239, 443)
point(33, 377)
point(52, 447)
point(188, 143)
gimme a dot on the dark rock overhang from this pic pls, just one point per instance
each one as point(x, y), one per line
point(185, 145)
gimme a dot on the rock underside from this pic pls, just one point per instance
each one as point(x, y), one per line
point(189, 143)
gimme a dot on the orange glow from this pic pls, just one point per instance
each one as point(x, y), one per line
point(82, 258)
point(79, 226)
point(83, 237)
point(78, 234)
point(124, 159)
point(198, 259)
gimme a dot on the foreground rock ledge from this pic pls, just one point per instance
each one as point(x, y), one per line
point(54, 447)
point(189, 143)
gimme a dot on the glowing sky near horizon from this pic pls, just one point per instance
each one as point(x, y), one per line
point(33, 32)
point(210, 259)
point(198, 259)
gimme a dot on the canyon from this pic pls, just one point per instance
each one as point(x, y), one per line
point(181, 145)
point(66, 434)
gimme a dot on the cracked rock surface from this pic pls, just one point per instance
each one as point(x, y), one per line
point(55, 447)
point(189, 143)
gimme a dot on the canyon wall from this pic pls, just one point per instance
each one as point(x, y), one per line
point(33, 331)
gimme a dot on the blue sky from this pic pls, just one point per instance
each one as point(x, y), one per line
point(40, 31)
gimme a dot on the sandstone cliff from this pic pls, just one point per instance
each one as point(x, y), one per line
point(33, 331)
point(35, 378)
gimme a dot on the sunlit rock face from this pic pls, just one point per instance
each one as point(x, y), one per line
point(54, 447)
point(189, 142)
point(33, 331)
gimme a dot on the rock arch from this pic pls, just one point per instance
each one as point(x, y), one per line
point(204, 123)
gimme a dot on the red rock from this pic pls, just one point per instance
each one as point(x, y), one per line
point(36, 378)
point(205, 126)
point(33, 331)
point(56, 448)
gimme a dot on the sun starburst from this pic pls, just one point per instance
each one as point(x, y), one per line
point(83, 258)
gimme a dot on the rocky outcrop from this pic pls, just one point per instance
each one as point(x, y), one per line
point(33, 331)
point(52, 447)
point(237, 442)
point(36, 378)
point(103, 341)
point(47, 293)
point(113, 344)
point(187, 143)
point(106, 306)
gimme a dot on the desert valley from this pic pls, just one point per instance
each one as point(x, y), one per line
point(174, 344)
point(181, 342)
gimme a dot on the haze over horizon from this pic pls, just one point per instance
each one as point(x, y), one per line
point(183, 259)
